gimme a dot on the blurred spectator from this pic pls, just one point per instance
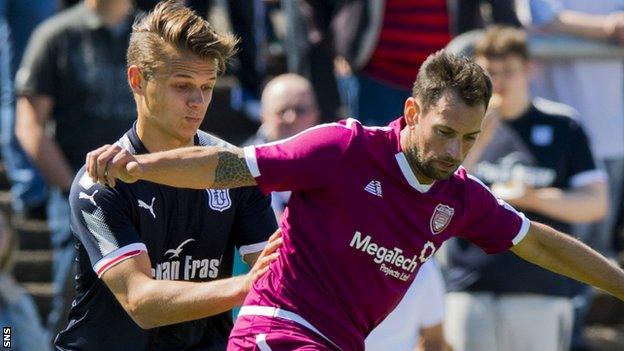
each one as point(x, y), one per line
point(470, 14)
point(382, 44)
point(288, 107)
point(417, 321)
point(309, 45)
point(28, 190)
point(595, 89)
point(17, 308)
point(536, 158)
point(385, 49)
point(72, 81)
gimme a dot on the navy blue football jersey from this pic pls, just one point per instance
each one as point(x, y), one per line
point(188, 235)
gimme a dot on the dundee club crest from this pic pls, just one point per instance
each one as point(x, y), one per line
point(219, 199)
point(441, 218)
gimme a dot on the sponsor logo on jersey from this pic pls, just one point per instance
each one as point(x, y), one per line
point(176, 252)
point(441, 218)
point(187, 268)
point(219, 199)
point(392, 262)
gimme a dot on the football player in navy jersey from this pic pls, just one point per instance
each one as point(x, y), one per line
point(154, 262)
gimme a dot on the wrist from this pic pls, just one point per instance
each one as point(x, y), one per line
point(242, 287)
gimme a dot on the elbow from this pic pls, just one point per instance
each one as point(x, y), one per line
point(22, 134)
point(602, 209)
point(600, 206)
point(142, 318)
point(26, 132)
point(138, 308)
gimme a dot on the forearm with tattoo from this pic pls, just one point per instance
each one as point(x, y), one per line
point(232, 171)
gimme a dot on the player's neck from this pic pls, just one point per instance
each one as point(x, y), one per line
point(155, 138)
point(512, 110)
point(422, 179)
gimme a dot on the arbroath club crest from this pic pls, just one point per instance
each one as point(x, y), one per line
point(219, 199)
point(441, 218)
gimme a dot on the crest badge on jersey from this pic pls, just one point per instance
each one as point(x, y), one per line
point(441, 218)
point(219, 199)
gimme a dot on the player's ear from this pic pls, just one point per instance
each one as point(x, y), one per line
point(135, 79)
point(411, 111)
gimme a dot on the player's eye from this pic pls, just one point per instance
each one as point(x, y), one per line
point(444, 133)
point(183, 86)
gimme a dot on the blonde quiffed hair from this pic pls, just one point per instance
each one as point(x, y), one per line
point(171, 23)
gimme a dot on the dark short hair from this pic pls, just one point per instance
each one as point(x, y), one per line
point(442, 71)
point(502, 41)
point(171, 23)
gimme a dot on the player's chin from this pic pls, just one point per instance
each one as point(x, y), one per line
point(444, 174)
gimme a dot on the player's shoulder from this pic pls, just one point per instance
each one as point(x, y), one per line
point(463, 181)
point(554, 111)
point(85, 194)
point(353, 130)
point(356, 126)
point(61, 23)
point(563, 117)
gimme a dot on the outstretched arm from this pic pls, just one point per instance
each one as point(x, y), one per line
point(192, 167)
point(565, 255)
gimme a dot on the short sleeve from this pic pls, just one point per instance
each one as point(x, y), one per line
point(38, 71)
point(303, 162)
point(544, 12)
point(100, 219)
point(489, 222)
point(433, 297)
point(254, 222)
point(581, 164)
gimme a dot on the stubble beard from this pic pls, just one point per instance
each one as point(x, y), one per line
point(426, 167)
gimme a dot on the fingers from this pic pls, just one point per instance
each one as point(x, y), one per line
point(272, 246)
point(110, 173)
point(277, 234)
point(111, 162)
point(263, 264)
point(102, 163)
point(275, 242)
point(91, 158)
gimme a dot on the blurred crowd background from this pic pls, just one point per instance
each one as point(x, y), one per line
point(553, 144)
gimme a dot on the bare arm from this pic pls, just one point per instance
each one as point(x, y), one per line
point(586, 25)
point(32, 112)
point(583, 204)
point(152, 303)
point(565, 255)
point(432, 339)
point(192, 167)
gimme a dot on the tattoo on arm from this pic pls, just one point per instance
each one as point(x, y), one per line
point(232, 171)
